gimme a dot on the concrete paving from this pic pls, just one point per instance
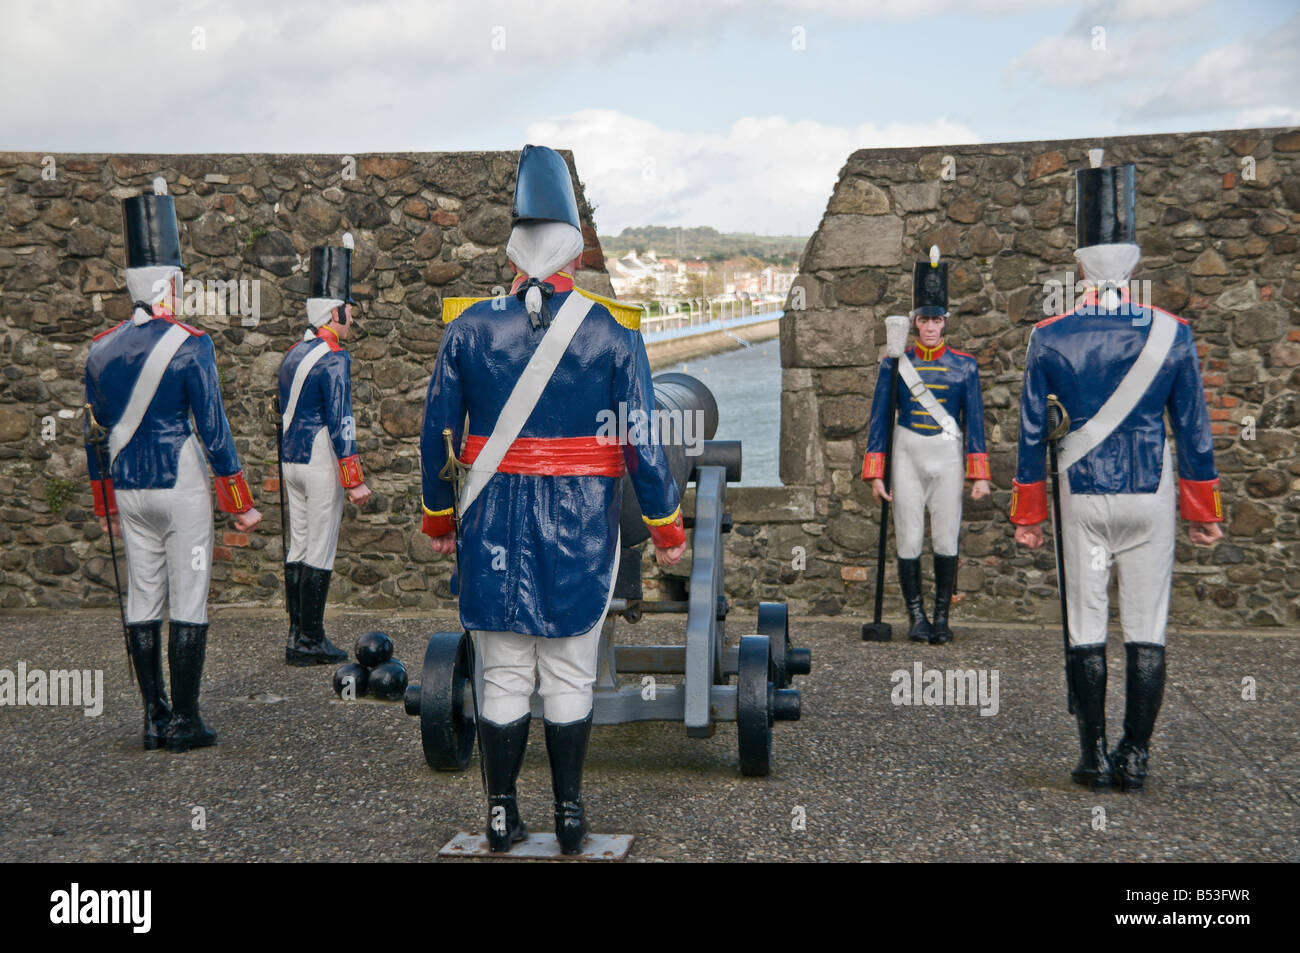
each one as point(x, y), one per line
point(302, 775)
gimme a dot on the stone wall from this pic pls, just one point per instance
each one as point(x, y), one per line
point(426, 225)
point(1219, 224)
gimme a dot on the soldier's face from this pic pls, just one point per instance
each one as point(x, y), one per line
point(929, 330)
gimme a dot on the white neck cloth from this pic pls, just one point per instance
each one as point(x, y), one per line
point(319, 310)
point(539, 250)
point(1108, 268)
point(151, 285)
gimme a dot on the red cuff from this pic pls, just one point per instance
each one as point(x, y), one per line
point(233, 495)
point(1199, 502)
point(1028, 503)
point(438, 524)
point(98, 488)
point(667, 532)
point(350, 471)
point(977, 466)
point(873, 466)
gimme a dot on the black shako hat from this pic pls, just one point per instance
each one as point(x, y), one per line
point(543, 189)
point(1105, 206)
point(331, 271)
point(930, 286)
point(149, 224)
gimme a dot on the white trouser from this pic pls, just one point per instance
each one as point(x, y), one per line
point(563, 671)
point(928, 474)
point(1136, 531)
point(315, 498)
point(167, 536)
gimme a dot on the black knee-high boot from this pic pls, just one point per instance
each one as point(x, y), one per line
point(1086, 666)
point(909, 578)
point(145, 640)
point(945, 580)
point(187, 646)
point(1143, 692)
point(503, 755)
point(313, 648)
point(293, 599)
point(566, 744)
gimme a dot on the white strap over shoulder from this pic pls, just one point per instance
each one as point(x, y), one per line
point(525, 395)
point(1077, 445)
point(146, 385)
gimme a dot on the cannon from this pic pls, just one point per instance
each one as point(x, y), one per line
point(763, 665)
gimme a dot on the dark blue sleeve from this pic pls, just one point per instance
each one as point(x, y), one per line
point(647, 465)
point(973, 410)
point(1189, 415)
point(92, 458)
point(203, 390)
point(880, 407)
point(443, 407)
point(1031, 461)
point(335, 374)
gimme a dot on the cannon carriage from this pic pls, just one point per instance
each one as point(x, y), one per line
point(749, 683)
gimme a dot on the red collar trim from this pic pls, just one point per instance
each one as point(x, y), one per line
point(930, 353)
point(329, 336)
point(560, 280)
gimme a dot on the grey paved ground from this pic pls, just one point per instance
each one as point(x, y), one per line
point(300, 775)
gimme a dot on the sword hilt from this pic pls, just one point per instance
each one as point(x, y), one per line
point(1058, 419)
point(96, 433)
point(454, 468)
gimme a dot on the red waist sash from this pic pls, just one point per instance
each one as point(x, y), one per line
point(554, 456)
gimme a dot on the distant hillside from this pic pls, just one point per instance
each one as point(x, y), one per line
point(707, 243)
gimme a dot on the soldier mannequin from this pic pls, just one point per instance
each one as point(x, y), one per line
point(927, 449)
point(1117, 481)
point(319, 452)
point(539, 543)
point(146, 379)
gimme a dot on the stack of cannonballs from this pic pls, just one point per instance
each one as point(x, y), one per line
point(375, 672)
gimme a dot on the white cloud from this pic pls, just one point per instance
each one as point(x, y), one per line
point(762, 174)
point(1109, 41)
point(1256, 78)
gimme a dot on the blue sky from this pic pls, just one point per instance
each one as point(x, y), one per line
point(684, 112)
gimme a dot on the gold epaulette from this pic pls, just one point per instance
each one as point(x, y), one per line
point(628, 315)
point(452, 307)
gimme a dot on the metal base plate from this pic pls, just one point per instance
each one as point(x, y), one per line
point(540, 847)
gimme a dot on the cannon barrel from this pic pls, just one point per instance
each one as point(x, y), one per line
point(683, 404)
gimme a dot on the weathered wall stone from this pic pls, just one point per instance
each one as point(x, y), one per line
point(426, 225)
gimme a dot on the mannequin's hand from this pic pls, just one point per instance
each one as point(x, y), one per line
point(247, 520)
point(669, 557)
point(879, 492)
point(445, 544)
point(979, 489)
point(1031, 536)
point(1204, 534)
point(117, 524)
point(359, 494)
